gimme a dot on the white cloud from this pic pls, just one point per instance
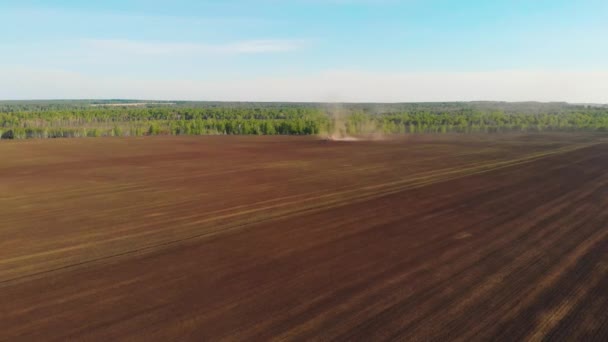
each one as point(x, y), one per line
point(163, 48)
point(329, 86)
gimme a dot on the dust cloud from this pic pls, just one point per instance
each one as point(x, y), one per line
point(338, 130)
point(341, 129)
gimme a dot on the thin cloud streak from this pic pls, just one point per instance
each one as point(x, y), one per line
point(164, 48)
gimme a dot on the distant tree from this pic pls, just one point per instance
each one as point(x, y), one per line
point(8, 134)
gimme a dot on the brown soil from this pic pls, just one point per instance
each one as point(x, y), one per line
point(483, 237)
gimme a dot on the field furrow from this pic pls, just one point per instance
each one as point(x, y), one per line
point(460, 238)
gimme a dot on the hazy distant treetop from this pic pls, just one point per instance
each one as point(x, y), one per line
point(371, 108)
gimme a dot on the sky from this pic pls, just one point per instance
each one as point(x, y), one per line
point(305, 50)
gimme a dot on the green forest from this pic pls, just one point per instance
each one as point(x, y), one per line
point(89, 118)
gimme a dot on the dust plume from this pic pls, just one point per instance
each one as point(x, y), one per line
point(352, 124)
point(338, 127)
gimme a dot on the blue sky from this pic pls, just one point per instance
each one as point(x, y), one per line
point(305, 50)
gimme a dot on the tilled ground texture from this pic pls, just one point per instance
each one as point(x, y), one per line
point(439, 237)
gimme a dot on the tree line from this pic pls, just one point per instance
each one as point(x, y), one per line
point(88, 118)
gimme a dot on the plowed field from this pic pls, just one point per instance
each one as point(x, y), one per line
point(438, 237)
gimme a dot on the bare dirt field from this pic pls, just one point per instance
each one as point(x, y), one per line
point(430, 237)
